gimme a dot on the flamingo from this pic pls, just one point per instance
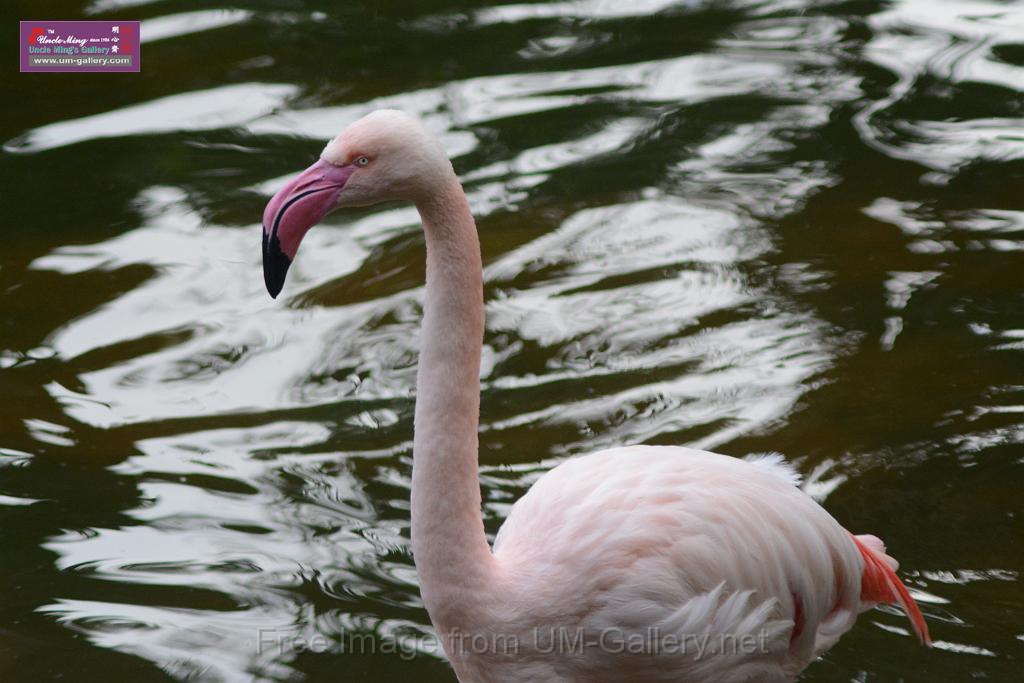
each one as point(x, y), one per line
point(640, 563)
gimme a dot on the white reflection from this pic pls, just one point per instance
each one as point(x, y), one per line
point(693, 78)
point(185, 23)
point(98, 6)
point(223, 107)
point(951, 41)
point(590, 9)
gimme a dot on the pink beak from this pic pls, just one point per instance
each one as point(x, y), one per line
point(296, 208)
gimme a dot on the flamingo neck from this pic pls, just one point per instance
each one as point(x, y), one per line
point(452, 555)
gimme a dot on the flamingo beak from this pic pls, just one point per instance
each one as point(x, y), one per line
point(296, 208)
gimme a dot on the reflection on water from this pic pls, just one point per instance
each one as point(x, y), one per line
point(743, 225)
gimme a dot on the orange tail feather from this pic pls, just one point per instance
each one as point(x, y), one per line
point(879, 583)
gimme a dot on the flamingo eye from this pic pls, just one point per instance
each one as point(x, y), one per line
point(362, 161)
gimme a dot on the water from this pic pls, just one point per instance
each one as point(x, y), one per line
point(746, 226)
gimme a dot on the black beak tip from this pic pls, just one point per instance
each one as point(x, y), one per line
point(275, 264)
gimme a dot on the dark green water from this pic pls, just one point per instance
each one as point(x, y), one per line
point(746, 226)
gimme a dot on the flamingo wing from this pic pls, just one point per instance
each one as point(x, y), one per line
point(682, 545)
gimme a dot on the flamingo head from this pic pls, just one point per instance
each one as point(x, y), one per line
point(384, 156)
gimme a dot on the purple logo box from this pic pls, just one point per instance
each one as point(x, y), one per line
point(77, 46)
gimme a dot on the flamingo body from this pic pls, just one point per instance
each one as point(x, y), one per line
point(723, 565)
point(641, 564)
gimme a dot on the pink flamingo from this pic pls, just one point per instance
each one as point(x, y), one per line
point(641, 563)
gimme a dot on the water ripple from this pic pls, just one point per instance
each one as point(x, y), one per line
point(221, 107)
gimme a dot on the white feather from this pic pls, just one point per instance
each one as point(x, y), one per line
point(775, 463)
